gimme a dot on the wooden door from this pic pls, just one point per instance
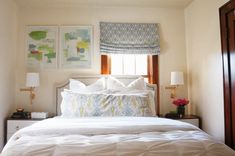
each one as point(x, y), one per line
point(227, 21)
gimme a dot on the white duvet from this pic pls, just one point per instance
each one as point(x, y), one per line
point(114, 136)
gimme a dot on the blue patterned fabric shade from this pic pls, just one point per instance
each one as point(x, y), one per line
point(129, 38)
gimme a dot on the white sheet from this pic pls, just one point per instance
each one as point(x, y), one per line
point(116, 136)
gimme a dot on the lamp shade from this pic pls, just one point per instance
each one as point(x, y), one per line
point(32, 80)
point(177, 78)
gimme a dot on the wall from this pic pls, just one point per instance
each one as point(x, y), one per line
point(172, 56)
point(8, 44)
point(204, 62)
point(204, 65)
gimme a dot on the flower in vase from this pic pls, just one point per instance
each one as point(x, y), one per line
point(180, 102)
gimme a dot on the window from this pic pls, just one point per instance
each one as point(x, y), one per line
point(145, 65)
point(129, 64)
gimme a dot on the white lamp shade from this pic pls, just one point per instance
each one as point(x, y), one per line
point(32, 80)
point(177, 78)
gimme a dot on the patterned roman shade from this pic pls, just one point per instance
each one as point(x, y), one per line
point(129, 38)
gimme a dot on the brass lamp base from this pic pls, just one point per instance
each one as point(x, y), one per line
point(32, 94)
point(173, 91)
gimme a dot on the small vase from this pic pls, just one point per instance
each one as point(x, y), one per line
point(180, 111)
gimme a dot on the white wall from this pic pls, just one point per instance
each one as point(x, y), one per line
point(8, 44)
point(204, 61)
point(204, 65)
point(172, 56)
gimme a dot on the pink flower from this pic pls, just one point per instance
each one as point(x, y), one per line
point(180, 102)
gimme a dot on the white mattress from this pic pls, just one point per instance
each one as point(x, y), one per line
point(114, 136)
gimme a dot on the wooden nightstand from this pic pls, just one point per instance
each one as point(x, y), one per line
point(192, 119)
point(13, 125)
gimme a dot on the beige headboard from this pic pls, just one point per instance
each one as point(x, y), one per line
point(91, 79)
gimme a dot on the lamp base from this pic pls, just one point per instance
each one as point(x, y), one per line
point(31, 91)
point(20, 109)
point(173, 91)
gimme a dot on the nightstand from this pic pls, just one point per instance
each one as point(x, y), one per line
point(192, 119)
point(13, 125)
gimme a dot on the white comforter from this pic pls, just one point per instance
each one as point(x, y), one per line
point(116, 136)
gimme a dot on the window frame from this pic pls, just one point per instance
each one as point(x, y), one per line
point(123, 66)
point(152, 65)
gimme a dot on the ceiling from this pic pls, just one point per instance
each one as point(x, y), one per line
point(102, 3)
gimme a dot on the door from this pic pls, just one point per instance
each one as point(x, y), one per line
point(227, 21)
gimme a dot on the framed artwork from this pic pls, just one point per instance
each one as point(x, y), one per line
point(75, 46)
point(42, 46)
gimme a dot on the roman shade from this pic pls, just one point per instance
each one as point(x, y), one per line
point(129, 38)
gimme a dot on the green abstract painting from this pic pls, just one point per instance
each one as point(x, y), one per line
point(76, 46)
point(42, 46)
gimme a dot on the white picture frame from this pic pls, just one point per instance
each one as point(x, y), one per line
point(76, 46)
point(42, 47)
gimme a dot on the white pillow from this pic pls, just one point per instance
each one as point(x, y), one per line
point(138, 84)
point(97, 104)
point(78, 86)
point(129, 92)
point(115, 84)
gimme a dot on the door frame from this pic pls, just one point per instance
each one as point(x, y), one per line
point(224, 10)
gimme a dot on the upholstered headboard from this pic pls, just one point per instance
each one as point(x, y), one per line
point(91, 79)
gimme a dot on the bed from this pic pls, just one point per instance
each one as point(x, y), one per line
point(133, 133)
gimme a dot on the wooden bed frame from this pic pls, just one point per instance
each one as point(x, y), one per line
point(91, 79)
